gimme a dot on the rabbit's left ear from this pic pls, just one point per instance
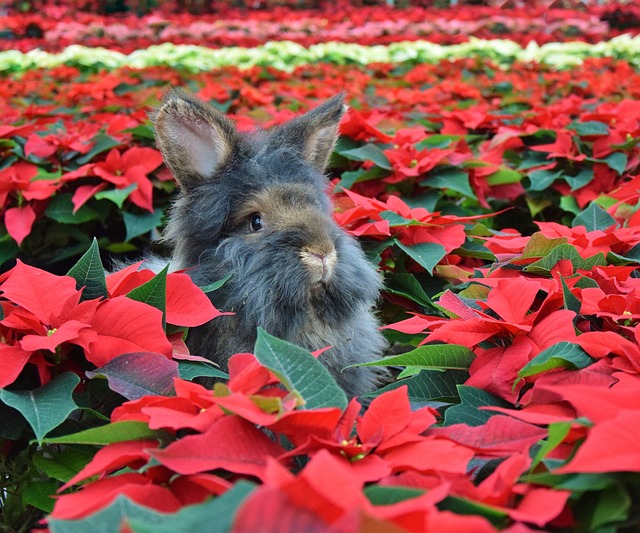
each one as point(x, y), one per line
point(313, 134)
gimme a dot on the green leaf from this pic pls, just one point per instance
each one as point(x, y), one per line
point(543, 179)
point(617, 161)
point(381, 495)
point(612, 507)
point(432, 357)
point(438, 140)
point(632, 256)
point(590, 127)
point(474, 248)
point(531, 159)
point(398, 221)
point(463, 506)
point(102, 143)
point(219, 511)
point(504, 176)
point(144, 131)
point(408, 286)
point(582, 178)
point(40, 494)
point(570, 301)
point(299, 371)
point(109, 433)
point(47, 407)
point(61, 208)
point(565, 252)
point(367, 152)
point(577, 483)
point(137, 225)
point(117, 196)
point(561, 355)
point(593, 218)
point(429, 386)
point(426, 254)
point(557, 432)
point(67, 463)
point(569, 204)
point(539, 245)
point(359, 175)
point(467, 412)
point(449, 178)
point(43, 175)
point(89, 273)
point(215, 285)
point(153, 292)
point(193, 369)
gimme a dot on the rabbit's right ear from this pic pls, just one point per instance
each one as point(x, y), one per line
point(195, 138)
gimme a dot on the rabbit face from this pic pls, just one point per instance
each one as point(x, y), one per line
point(287, 213)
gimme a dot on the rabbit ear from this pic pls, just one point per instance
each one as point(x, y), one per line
point(315, 133)
point(195, 138)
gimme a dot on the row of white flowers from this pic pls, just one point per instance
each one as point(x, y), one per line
point(285, 55)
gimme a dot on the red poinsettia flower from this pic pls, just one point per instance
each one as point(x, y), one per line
point(131, 168)
point(41, 312)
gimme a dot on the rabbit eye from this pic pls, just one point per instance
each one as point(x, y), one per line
point(255, 222)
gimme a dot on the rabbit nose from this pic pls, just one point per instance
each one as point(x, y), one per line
point(320, 264)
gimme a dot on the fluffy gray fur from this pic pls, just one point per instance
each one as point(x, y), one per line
point(225, 178)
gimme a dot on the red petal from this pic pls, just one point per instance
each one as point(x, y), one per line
point(465, 332)
point(501, 434)
point(39, 146)
point(66, 332)
point(148, 158)
point(232, 444)
point(270, 510)
point(119, 284)
point(510, 309)
point(387, 416)
point(101, 493)
point(412, 326)
point(187, 305)
point(19, 221)
point(299, 425)
point(84, 193)
point(611, 446)
point(113, 457)
point(12, 361)
point(124, 326)
point(431, 454)
point(247, 375)
point(328, 486)
point(43, 294)
point(540, 505)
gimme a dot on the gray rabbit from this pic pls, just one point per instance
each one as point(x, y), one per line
point(255, 207)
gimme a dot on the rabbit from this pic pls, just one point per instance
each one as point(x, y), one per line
point(255, 206)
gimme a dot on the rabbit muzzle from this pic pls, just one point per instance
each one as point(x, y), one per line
point(320, 264)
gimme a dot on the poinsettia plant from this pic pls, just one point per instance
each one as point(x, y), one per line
point(69, 24)
point(502, 209)
point(465, 138)
point(59, 332)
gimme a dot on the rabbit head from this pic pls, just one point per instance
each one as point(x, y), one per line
point(255, 207)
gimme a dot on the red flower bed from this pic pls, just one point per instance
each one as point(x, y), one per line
point(362, 25)
point(501, 207)
point(542, 148)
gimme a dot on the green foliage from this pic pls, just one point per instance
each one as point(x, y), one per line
point(299, 372)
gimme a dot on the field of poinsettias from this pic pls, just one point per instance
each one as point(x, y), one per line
point(496, 184)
